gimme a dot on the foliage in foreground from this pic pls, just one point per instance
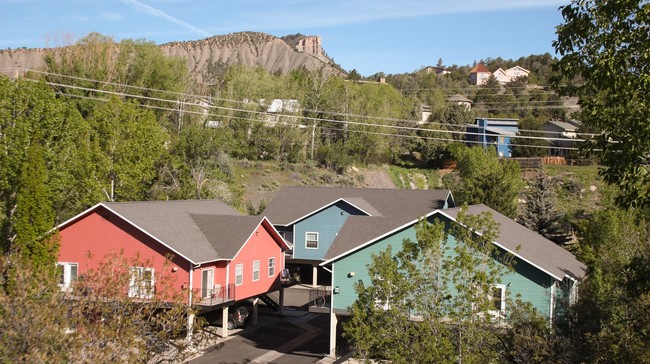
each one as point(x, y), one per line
point(433, 303)
point(95, 321)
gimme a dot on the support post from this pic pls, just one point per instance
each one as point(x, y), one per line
point(333, 323)
point(256, 300)
point(224, 322)
point(314, 276)
point(281, 308)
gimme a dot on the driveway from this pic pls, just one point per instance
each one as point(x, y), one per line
point(297, 337)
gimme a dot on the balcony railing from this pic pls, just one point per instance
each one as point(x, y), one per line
point(218, 295)
point(320, 299)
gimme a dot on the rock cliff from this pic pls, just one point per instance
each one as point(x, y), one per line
point(206, 57)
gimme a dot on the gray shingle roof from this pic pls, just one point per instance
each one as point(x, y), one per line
point(523, 242)
point(172, 223)
point(226, 234)
point(291, 204)
point(359, 230)
point(533, 247)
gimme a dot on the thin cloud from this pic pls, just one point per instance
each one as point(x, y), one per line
point(162, 15)
point(314, 14)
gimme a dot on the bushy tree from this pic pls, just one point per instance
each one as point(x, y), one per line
point(605, 63)
point(612, 314)
point(128, 143)
point(482, 178)
point(94, 321)
point(33, 120)
point(431, 301)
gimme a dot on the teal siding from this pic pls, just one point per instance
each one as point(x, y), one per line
point(358, 263)
point(532, 284)
point(327, 223)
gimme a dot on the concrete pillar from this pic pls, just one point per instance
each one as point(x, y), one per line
point(281, 308)
point(190, 327)
point(224, 322)
point(256, 300)
point(333, 323)
point(314, 276)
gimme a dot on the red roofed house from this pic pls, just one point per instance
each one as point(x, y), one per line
point(214, 251)
point(479, 75)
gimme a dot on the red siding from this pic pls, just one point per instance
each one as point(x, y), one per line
point(90, 238)
point(260, 246)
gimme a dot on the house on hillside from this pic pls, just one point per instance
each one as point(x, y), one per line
point(495, 132)
point(216, 254)
point(510, 74)
point(501, 76)
point(562, 135)
point(310, 218)
point(479, 75)
point(515, 72)
point(461, 100)
point(438, 70)
point(544, 274)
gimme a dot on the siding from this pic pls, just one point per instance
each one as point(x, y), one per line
point(327, 224)
point(532, 284)
point(95, 236)
point(260, 246)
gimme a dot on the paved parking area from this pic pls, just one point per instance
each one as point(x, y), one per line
point(298, 337)
point(295, 337)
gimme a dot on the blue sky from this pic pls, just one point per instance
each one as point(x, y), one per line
point(392, 36)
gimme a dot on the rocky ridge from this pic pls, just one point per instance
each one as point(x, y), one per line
point(207, 56)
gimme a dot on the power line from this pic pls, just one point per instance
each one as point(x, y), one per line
point(346, 122)
point(350, 130)
point(186, 95)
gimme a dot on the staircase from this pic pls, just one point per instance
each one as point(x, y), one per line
point(271, 299)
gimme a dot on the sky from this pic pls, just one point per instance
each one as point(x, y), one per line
point(390, 36)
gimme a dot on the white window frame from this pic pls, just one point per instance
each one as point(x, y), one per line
point(272, 267)
point(256, 270)
point(140, 287)
point(69, 274)
point(207, 288)
point(239, 274)
point(307, 240)
point(502, 309)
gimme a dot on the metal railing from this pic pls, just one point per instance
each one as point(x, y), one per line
point(218, 295)
point(320, 297)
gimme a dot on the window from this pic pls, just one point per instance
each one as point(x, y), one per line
point(271, 266)
point(311, 240)
point(498, 299)
point(256, 270)
point(141, 284)
point(67, 274)
point(207, 283)
point(239, 274)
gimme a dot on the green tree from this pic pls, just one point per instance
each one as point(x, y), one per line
point(540, 213)
point(612, 315)
point(134, 67)
point(128, 144)
point(34, 217)
point(30, 114)
point(430, 301)
point(480, 177)
point(605, 63)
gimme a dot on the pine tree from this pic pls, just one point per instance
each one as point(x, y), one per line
point(540, 213)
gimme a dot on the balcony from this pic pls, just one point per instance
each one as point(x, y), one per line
point(217, 296)
point(320, 300)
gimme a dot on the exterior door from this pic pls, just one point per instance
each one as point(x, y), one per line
point(207, 283)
